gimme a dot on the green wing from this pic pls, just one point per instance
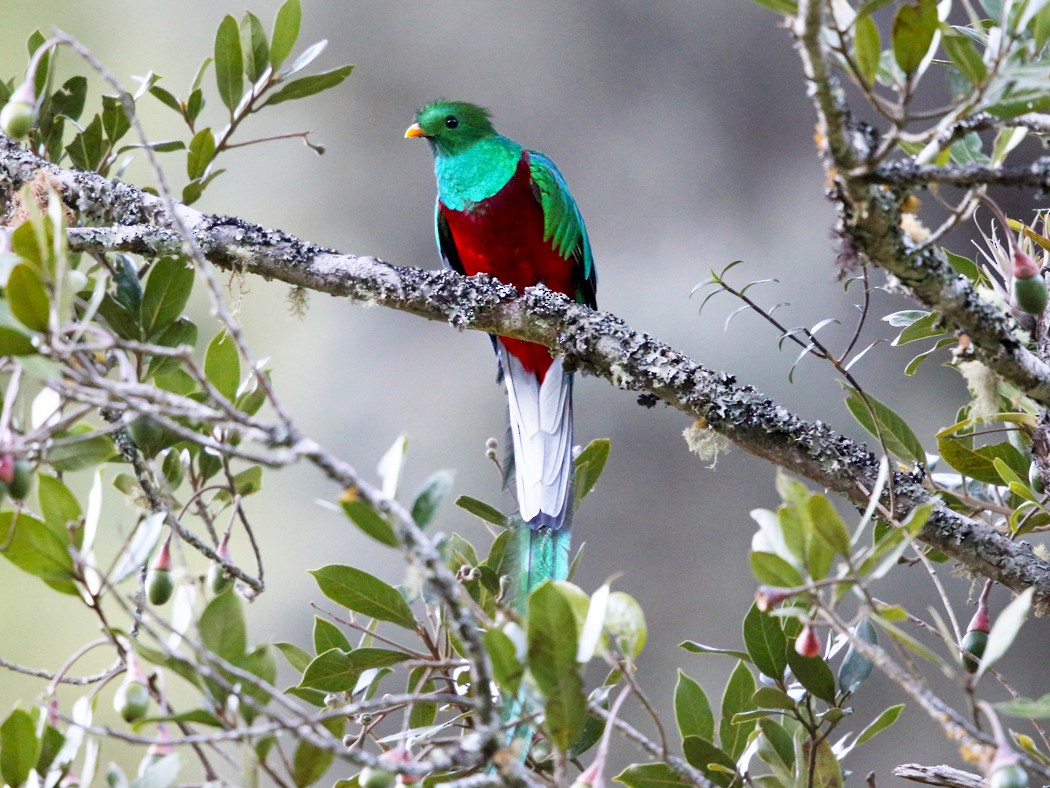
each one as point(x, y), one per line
point(562, 224)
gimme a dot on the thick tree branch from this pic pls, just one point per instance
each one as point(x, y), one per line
point(597, 342)
point(907, 173)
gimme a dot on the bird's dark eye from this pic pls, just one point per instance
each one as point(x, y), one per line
point(451, 122)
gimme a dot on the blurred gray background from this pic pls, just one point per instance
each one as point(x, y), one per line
point(684, 131)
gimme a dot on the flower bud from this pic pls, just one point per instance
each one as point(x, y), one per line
point(973, 644)
point(768, 597)
point(807, 644)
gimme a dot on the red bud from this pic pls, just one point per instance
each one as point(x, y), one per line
point(766, 597)
point(808, 644)
point(7, 468)
point(1024, 266)
point(980, 621)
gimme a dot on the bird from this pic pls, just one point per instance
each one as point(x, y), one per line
point(506, 211)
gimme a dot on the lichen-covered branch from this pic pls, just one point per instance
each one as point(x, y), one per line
point(869, 219)
point(597, 342)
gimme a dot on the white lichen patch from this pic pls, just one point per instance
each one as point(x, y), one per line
point(984, 387)
point(705, 443)
point(619, 376)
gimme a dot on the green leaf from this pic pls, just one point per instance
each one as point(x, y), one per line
point(700, 648)
point(589, 466)
point(1005, 629)
point(825, 767)
point(229, 65)
point(965, 57)
point(34, 548)
point(430, 497)
point(913, 30)
point(115, 121)
point(828, 524)
point(261, 662)
point(979, 464)
point(692, 710)
point(1038, 709)
point(331, 671)
point(254, 46)
point(777, 749)
point(297, 657)
point(650, 775)
point(371, 522)
point(285, 32)
point(327, 636)
point(552, 646)
point(14, 343)
point(19, 747)
point(785, 7)
point(361, 592)
point(27, 297)
point(964, 266)
point(773, 698)
point(86, 150)
point(895, 432)
point(310, 763)
point(702, 754)
point(222, 627)
point(506, 667)
point(248, 481)
point(774, 570)
point(200, 154)
point(180, 333)
point(855, 666)
point(167, 291)
point(812, 673)
point(881, 723)
point(867, 48)
point(737, 699)
point(308, 86)
point(222, 365)
point(481, 509)
point(82, 454)
point(766, 642)
point(58, 505)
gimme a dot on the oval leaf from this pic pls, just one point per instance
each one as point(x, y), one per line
point(361, 592)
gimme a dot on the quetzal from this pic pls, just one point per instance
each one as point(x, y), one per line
point(506, 211)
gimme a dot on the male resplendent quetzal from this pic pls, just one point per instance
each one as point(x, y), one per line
point(506, 211)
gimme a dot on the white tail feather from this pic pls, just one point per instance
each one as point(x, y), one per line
point(541, 431)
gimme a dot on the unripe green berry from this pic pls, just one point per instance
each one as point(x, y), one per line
point(219, 580)
point(131, 700)
point(16, 119)
point(159, 586)
point(376, 778)
point(1008, 776)
point(20, 480)
point(1030, 294)
point(974, 643)
point(1036, 479)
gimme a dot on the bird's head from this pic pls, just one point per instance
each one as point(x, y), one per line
point(451, 126)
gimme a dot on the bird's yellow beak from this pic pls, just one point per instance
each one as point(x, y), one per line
point(414, 131)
